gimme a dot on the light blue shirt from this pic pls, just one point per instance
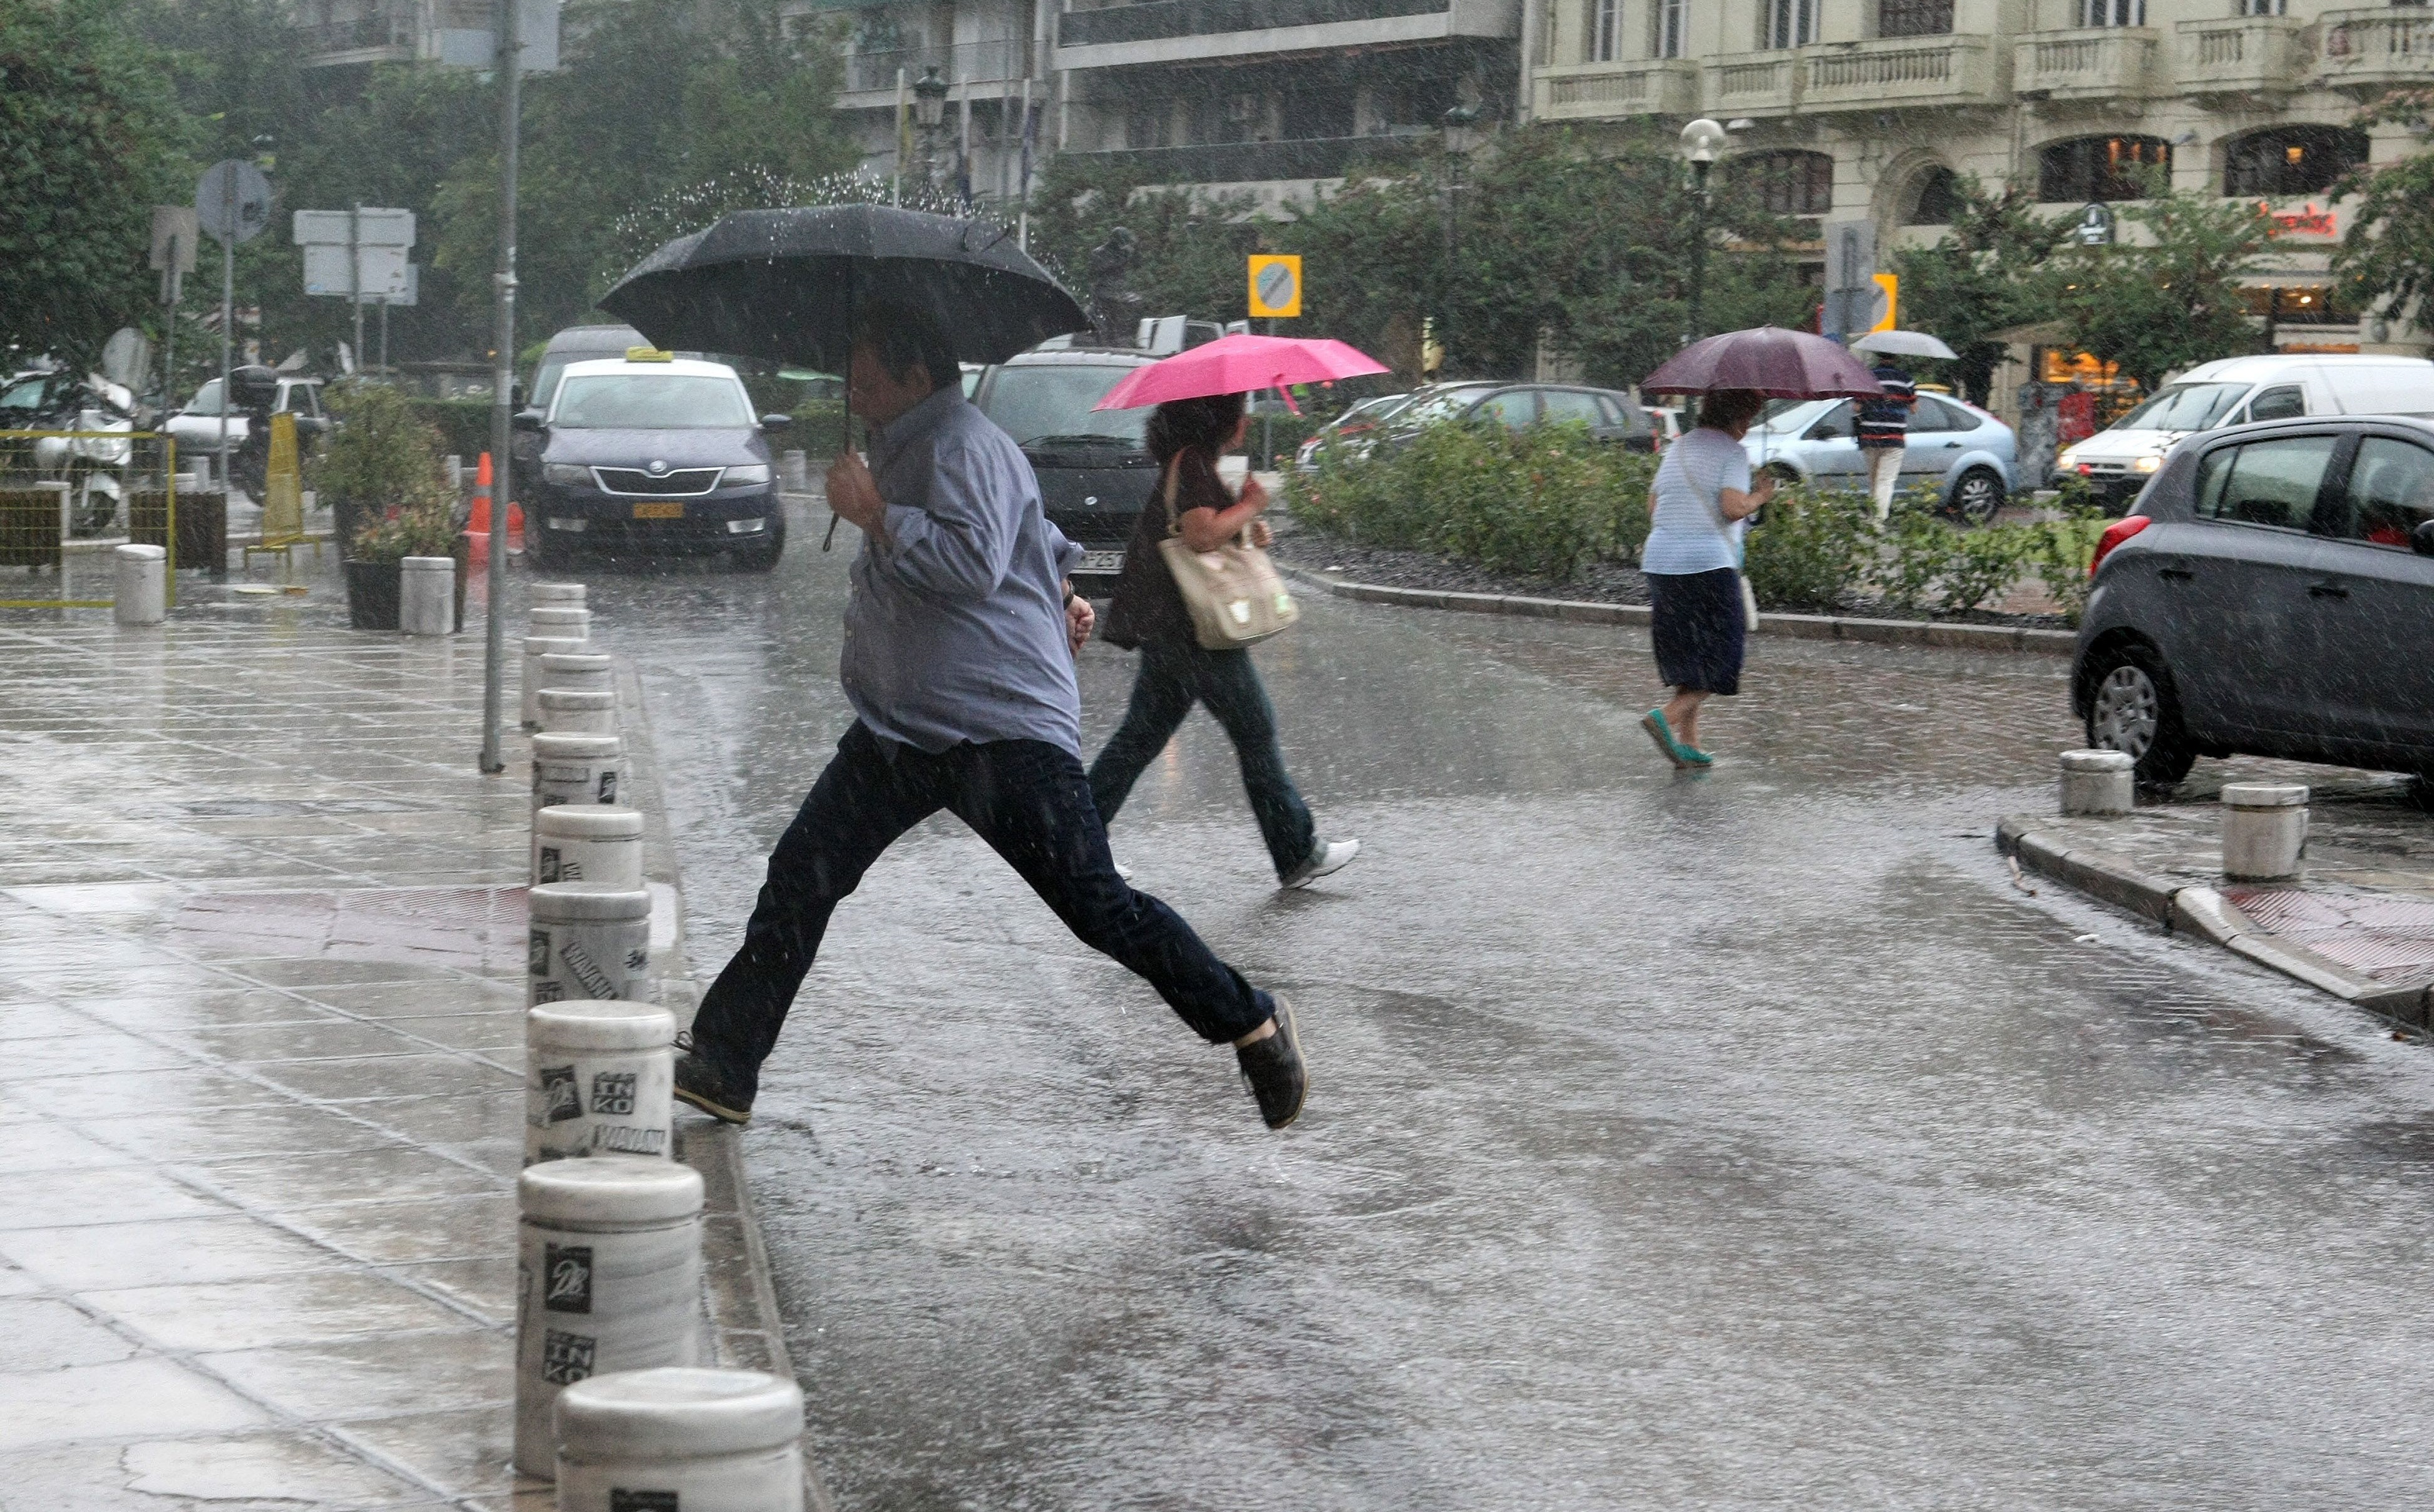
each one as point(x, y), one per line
point(956, 628)
point(1690, 533)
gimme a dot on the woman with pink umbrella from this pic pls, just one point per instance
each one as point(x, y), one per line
point(1200, 416)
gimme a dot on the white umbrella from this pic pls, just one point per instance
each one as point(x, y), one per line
point(1904, 344)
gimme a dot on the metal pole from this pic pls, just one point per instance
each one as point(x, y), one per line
point(503, 379)
point(1699, 257)
point(169, 333)
point(384, 361)
point(227, 315)
point(355, 275)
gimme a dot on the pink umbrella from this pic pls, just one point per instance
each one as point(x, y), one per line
point(1238, 364)
point(1777, 363)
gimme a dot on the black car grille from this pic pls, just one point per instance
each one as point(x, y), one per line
point(683, 481)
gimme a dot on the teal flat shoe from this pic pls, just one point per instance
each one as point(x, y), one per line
point(1662, 732)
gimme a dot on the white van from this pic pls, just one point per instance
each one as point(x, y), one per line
point(2236, 390)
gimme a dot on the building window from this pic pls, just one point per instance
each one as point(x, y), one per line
point(1914, 18)
point(1605, 31)
point(1939, 198)
point(2264, 8)
point(1791, 23)
point(1791, 183)
point(2101, 168)
point(2291, 159)
point(2112, 12)
point(1673, 19)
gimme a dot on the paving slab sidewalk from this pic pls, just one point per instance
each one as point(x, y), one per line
point(2357, 922)
point(261, 1066)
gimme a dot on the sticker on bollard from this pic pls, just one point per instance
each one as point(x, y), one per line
point(576, 671)
point(535, 647)
point(588, 942)
point(608, 1278)
point(681, 1441)
point(566, 713)
point(603, 1081)
point(576, 768)
point(590, 843)
point(2098, 783)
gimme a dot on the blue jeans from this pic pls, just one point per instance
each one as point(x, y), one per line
point(1029, 800)
point(1172, 679)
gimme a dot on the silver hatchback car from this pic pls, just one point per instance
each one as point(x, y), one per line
point(1967, 455)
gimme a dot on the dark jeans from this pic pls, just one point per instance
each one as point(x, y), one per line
point(1172, 679)
point(1029, 800)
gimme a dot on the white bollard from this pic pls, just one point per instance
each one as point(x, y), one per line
point(453, 465)
point(557, 595)
point(426, 595)
point(608, 1278)
point(142, 596)
point(794, 472)
point(601, 844)
point(535, 647)
point(568, 713)
point(689, 1439)
point(577, 671)
point(576, 768)
point(603, 1079)
point(564, 621)
point(2264, 829)
point(588, 942)
point(2100, 783)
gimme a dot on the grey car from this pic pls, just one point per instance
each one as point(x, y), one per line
point(1966, 454)
point(2271, 593)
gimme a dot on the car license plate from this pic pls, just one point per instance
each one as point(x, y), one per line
point(1103, 561)
point(659, 511)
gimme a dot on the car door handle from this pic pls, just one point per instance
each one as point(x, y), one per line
point(1952, 446)
point(2327, 589)
point(2177, 574)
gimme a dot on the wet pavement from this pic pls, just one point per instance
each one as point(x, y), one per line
point(1742, 1140)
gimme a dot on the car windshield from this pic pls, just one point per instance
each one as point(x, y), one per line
point(1374, 410)
point(1052, 402)
point(26, 395)
point(2183, 407)
point(206, 400)
point(545, 382)
point(1792, 415)
point(651, 402)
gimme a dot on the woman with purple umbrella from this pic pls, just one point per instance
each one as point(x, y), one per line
point(1698, 506)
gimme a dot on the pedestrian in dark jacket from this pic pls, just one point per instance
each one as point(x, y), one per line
point(959, 646)
point(1187, 437)
point(1884, 432)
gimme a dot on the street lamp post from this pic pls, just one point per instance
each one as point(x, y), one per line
point(1460, 129)
point(509, 63)
point(1701, 140)
point(929, 110)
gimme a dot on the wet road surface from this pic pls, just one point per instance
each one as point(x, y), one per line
point(1673, 1142)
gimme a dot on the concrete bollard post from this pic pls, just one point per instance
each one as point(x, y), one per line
point(556, 595)
point(576, 768)
point(588, 942)
point(794, 472)
point(2264, 830)
point(714, 1440)
point(564, 621)
point(142, 595)
point(601, 844)
point(535, 647)
point(603, 1081)
point(570, 713)
point(453, 465)
point(608, 1278)
point(2097, 783)
point(426, 595)
point(577, 671)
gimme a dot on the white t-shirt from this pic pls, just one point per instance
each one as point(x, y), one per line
point(1690, 533)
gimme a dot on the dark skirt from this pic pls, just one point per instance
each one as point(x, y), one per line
point(1697, 622)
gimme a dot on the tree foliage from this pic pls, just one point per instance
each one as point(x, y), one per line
point(2171, 297)
point(1980, 277)
point(2387, 256)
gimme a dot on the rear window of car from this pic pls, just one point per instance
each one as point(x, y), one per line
point(1564, 404)
point(2265, 483)
point(1053, 401)
point(1935, 415)
point(651, 402)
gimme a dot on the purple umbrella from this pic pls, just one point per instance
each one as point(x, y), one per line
point(1778, 364)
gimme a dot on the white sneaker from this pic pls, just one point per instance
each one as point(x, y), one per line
point(1331, 856)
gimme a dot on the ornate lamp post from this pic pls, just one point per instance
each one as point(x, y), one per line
point(1702, 141)
point(1461, 134)
point(929, 109)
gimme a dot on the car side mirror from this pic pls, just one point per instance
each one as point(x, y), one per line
point(528, 420)
point(2422, 539)
point(776, 422)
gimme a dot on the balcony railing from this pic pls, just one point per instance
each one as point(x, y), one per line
point(1155, 19)
point(1899, 72)
point(965, 63)
point(2098, 63)
point(2366, 49)
point(1753, 84)
point(2246, 55)
point(1244, 163)
point(1588, 92)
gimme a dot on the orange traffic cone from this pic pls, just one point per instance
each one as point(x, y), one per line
point(479, 524)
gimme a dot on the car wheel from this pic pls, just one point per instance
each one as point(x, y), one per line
point(1978, 498)
point(2134, 709)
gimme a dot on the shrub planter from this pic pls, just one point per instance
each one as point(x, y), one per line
point(372, 595)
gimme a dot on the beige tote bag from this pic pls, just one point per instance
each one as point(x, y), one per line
point(1235, 595)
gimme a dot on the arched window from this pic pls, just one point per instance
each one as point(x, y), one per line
point(2101, 168)
point(1937, 199)
point(1789, 183)
point(2284, 161)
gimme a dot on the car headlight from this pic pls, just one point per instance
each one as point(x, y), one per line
point(566, 474)
point(2147, 463)
point(750, 472)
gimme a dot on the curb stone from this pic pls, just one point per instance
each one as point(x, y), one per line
point(1944, 636)
point(2205, 913)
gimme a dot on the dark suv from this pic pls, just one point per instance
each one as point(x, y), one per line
point(2272, 592)
point(1094, 466)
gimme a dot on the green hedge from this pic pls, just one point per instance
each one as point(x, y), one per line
point(463, 424)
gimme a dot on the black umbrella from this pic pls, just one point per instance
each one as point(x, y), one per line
point(786, 284)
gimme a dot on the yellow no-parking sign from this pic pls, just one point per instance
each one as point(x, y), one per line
point(1276, 287)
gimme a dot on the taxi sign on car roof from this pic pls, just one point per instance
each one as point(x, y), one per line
point(648, 354)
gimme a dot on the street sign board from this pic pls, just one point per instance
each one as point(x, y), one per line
point(408, 297)
point(1886, 312)
point(331, 271)
point(478, 47)
point(232, 201)
point(175, 228)
point(366, 227)
point(1276, 287)
point(1850, 267)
